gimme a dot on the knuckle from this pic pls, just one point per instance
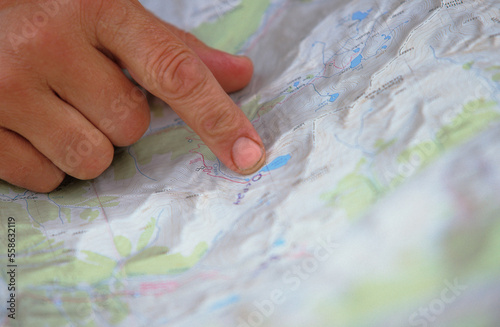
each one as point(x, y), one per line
point(178, 72)
point(30, 178)
point(94, 166)
point(50, 185)
point(87, 155)
point(137, 127)
point(217, 124)
point(130, 121)
point(132, 130)
point(28, 169)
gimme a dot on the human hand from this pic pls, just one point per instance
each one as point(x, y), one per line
point(64, 100)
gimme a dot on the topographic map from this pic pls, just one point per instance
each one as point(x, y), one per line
point(378, 205)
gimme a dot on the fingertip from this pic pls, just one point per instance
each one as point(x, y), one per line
point(93, 165)
point(131, 126)
point(248, 155)
point(38, 180)
point(51, 183)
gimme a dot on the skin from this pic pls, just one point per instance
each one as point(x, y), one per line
point(65, 101)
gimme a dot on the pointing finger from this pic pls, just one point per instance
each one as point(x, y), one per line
point(168, 68)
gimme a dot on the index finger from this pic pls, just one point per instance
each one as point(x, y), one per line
point(169, 69)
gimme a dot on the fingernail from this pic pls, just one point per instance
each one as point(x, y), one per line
point(247, 154)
